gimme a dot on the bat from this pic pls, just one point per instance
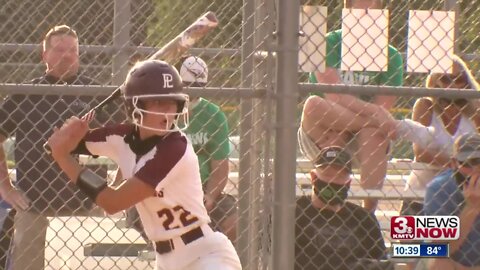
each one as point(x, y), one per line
point(169, 52)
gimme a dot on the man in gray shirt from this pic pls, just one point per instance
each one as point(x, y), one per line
point(41, 188)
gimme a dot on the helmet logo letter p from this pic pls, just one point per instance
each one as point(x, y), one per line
point(167, 81)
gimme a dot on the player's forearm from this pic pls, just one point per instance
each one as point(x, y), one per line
point(218, 178)
point(69, 166)
point(467, 216)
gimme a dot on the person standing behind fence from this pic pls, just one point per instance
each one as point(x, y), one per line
point(333, 234)
point(368, 146)
point(160, 165)
point(208, 131)
point(40, 190)
point(456, 191)
point(450, 117)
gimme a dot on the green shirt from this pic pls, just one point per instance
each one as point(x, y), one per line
point(392, 77)
point(208, 133)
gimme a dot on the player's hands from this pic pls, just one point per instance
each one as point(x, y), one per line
point(15, 198)
point(209, 202)
point(65, 139)
point(471, 192)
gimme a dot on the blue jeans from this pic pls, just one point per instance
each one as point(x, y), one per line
point(6, 234)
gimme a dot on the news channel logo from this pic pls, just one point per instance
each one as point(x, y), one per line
point(425, 228)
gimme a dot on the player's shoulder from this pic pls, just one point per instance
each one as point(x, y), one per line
point(171, 149)
point(334, 36)
point(209, 105)
point(210, 108)
point(101, 133)
point(441, 181)
point(172, 142)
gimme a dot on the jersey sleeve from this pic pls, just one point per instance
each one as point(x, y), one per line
point(162, 162)
point(219, 144)
point(394, 74)
point(102, 141)
point(10, 115)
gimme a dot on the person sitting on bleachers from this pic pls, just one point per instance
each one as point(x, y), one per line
point(330, 232)
point(457, 192)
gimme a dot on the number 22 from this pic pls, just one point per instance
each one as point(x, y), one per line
point(176, 213)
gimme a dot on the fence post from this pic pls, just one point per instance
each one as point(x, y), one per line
point(285, 137)
point(265, 75)
point(452, 6)
point(121, 40)
point(244, 169)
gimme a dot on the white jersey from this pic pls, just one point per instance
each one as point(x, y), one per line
point(169, 164)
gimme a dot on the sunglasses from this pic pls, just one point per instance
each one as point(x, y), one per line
point(451, 79)
point(470, 163)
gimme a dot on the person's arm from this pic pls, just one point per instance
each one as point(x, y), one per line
point(64, 140)
point(7, 126)
point(4, 178)
point(470, 211)
point(219, 146)
point(7, 191)
point(111, 200)
point(216, 182)
point(423, 113)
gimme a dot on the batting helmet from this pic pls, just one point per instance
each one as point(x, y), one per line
point(154, 80)
point(194, 71)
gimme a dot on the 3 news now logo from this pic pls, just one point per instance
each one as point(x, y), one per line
point(425, 227)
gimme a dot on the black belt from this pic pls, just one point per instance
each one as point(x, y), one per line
point(166, 246)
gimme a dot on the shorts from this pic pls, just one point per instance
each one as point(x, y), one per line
point(225, 206)
point(311, 151)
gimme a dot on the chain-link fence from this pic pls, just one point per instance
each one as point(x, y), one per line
point(253, 79)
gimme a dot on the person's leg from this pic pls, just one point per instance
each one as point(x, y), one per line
point(29, 241)
point(372, 154)
point(318, 112)
point(6, 216)
point(223, 256)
